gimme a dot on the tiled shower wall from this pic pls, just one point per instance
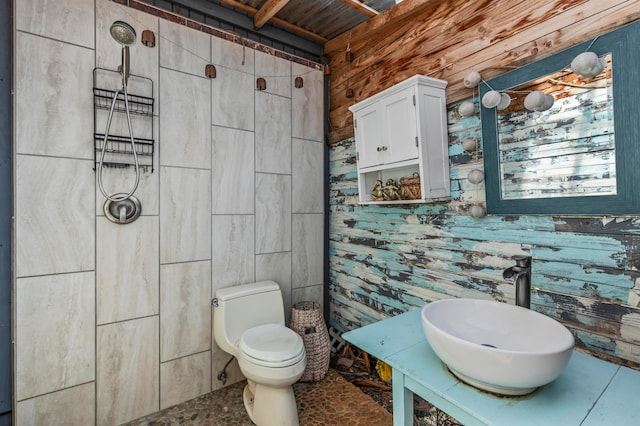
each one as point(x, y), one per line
point(113, 322)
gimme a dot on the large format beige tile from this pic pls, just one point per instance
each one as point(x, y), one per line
point(185, 215)
point(232, 171)
point(232, 99)
point(53, 92)
point(55, 218)
point(308, 249)
point(307, 110)
point(228, 54)
point(277, 267)
point(276, 72)
point(70, 21)
point(273, 134)
point(55, 329)
point(185, 113)
point(72, 406)
point(185, 309)
point(308, 181)
point(184, 379)
point(183, 49)
point(127, 277)
point(127, 370)
point(273, 213)
point(233, 250)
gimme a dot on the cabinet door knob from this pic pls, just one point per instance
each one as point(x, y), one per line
point(378, 149)
point(384, 148)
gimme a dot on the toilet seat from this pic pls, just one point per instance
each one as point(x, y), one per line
point(271, 345)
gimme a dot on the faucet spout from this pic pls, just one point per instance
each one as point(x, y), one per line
point(520, 275)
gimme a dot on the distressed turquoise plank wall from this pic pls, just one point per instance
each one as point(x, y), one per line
point(385, 260)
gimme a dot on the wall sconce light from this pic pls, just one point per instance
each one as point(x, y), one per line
point(472, 79)
point(350, 93)
point(261, 84)
point(588, 64)
point(538, 101)
point(210, 71)
point(148, 38)
point(467, 109)
point(299, 83)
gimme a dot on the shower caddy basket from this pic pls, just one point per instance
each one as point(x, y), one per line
point(118, 152)
point(307, 321)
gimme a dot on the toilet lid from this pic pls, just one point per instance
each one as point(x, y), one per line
point(272, 343)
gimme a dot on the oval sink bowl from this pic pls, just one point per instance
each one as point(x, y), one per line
point(500, 348)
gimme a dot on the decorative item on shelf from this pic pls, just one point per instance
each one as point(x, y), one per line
point(538, 101)
point(475, 176)
point(467, 109)
point(470, 144)
point(307, 321)
point(261, 84)
point(299, 83)
point(376, 192)
point(350, 93)
point(588, 64)
point(391, 190)
point(477, 210)
point(148, 38)
point(210, 71)
point(410, 187)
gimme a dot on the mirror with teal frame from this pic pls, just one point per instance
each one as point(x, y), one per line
point(623, 48)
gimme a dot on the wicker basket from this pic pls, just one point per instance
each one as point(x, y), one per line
point(410, 187)
point(307, 321)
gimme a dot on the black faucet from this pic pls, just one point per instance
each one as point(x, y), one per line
point(520, 274)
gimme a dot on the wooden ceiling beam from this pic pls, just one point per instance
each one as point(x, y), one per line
point(360, 7)
point(376, 23)
point(268, 11)
point(277, 21)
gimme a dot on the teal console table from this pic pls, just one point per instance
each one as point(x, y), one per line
point(589, 392)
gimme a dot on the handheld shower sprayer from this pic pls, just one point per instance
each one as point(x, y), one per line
point(121, 208)
point(124, 34)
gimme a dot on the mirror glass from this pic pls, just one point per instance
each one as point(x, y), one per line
point(582, 155)
point(567, 150)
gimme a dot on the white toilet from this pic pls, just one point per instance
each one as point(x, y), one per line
point(248, 323)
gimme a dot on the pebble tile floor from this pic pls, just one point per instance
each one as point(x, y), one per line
point(332, 401)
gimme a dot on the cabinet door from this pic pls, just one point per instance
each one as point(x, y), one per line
point(399, 142)
point(369, 136)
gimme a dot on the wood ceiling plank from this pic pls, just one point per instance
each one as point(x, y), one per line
point(277, 21)
point(268, 11)
point(369, 28)
point(360, 7)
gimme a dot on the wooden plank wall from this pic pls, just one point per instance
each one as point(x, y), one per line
point(448, 38)
point(385, 260)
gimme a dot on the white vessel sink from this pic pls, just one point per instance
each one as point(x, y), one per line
point(505, 349)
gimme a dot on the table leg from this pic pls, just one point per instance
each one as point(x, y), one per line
point(402, 401)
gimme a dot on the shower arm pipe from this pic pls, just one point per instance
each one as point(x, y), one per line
point(133, 146)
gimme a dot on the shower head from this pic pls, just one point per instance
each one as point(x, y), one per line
point(123, 33)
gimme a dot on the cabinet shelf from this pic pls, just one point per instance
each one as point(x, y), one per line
point(402, 132)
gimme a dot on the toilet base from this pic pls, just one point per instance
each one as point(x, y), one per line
point(270, 406)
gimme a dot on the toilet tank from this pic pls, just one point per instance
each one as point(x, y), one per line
point(245, 306)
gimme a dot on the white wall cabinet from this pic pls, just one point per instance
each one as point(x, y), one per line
point(402, 131)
